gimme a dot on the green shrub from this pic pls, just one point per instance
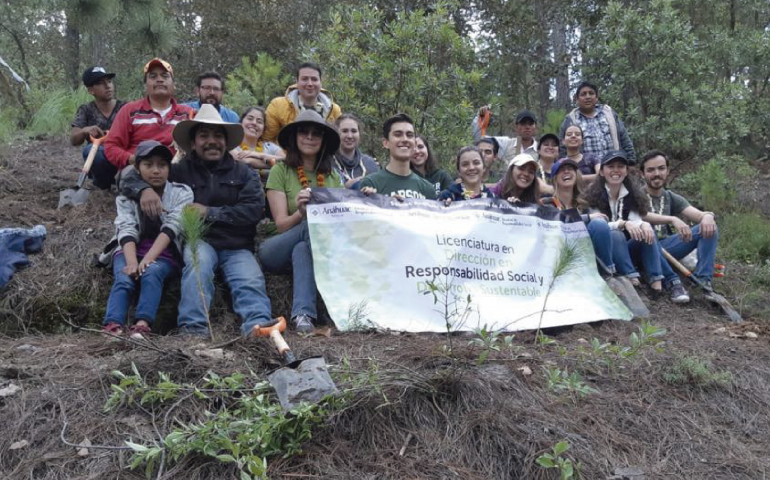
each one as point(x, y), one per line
point(9, 123)
point(745, 237)
point(55, 113)
point(696, 371)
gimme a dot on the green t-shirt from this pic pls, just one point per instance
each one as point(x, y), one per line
point(410, 186)
point(440, 179)
point(284, 179)
point(672, 204)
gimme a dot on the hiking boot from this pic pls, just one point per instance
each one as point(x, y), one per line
point(139, 332)
point(677, 293)
point(113, 328)
point(303, 324)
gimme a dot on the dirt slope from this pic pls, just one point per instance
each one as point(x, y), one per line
point(421, 412)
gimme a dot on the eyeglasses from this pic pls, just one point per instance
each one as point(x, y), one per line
point(311, 132)
point(209, 88)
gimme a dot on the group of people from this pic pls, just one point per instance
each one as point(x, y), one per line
point(234, 171)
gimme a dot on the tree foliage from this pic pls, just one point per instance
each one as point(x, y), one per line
point(415, 63)
point(255, 83)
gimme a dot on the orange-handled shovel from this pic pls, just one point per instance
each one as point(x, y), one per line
point(78, 195)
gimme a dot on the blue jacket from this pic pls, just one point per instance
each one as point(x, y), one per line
point(226, 114)
point(15, 244)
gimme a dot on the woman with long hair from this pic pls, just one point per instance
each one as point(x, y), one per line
point(588, 164)
point(350, 163)
point(518, 184)
point(253, 151)
point(567, 194)
point(471, 169)
point(625, 204)
point(309, 143)
point(425, 165)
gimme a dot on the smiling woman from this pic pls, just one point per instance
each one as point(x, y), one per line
point(470, 168)
point(309, 143)
point(253, 150)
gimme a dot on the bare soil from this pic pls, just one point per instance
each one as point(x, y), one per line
point(425, 413)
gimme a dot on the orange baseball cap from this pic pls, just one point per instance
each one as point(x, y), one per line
point(162, 63)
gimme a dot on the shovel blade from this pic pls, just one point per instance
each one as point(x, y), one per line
point(628, 295)
point(726, 307)
point(73, 196)
point(308, 381)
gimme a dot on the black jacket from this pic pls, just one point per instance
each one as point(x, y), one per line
point(231, 191)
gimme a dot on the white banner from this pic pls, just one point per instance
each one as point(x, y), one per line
point(417, 265)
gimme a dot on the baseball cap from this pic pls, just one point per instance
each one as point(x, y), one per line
point(522, 159)
point(562, 162)
point(159, 62)
point(525, 114)
point(94, 74)
point(150, 147)
point(615, 155)
point(546, 137)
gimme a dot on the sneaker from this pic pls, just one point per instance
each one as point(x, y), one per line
point(139, 332)
point(303, 324)
point(113, 331)
point(677, 293)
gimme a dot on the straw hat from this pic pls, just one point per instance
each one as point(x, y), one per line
point(207, 115)
point(310, 117)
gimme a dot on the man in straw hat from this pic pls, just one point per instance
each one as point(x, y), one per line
point(229, 197)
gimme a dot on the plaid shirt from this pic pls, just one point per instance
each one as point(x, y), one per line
point(597, 138)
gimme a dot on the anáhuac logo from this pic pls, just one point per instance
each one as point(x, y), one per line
point(336, 210)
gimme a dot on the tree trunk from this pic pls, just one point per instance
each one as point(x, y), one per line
point(72, 37)
point(562, 60)
point(542, 62)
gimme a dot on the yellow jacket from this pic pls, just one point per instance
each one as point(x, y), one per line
point(283, 110)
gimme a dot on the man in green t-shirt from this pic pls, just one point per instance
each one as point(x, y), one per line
point(397, 178)
point(666, 208)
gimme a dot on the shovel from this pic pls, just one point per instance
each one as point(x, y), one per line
point(305, 380)
point(711, 295)
point(484, 122)
point(624, 289)
point(79, 195)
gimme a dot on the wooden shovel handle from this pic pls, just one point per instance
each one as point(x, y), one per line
point(676, 263)
point(279, 342)
point(95, 142)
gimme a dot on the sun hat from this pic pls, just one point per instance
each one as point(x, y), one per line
point(207, 115)
point(310, 117)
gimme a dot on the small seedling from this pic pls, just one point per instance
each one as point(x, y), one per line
point(556, 459)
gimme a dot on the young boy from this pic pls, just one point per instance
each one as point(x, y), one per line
point(147, 249)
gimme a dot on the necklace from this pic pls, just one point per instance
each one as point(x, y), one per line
point(659, 211)
point(468, 193)
point(319, 178)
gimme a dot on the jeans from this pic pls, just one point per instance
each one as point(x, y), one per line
point(707, 251)
point(151, 288)
point(601, 238)
point(290, 251)
point(624, 250)
point(102, 172)
point(242, 274)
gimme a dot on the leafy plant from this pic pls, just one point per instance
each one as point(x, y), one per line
point(489, 341)
point(561, 381)
point(646, 336)
point(567, 468)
